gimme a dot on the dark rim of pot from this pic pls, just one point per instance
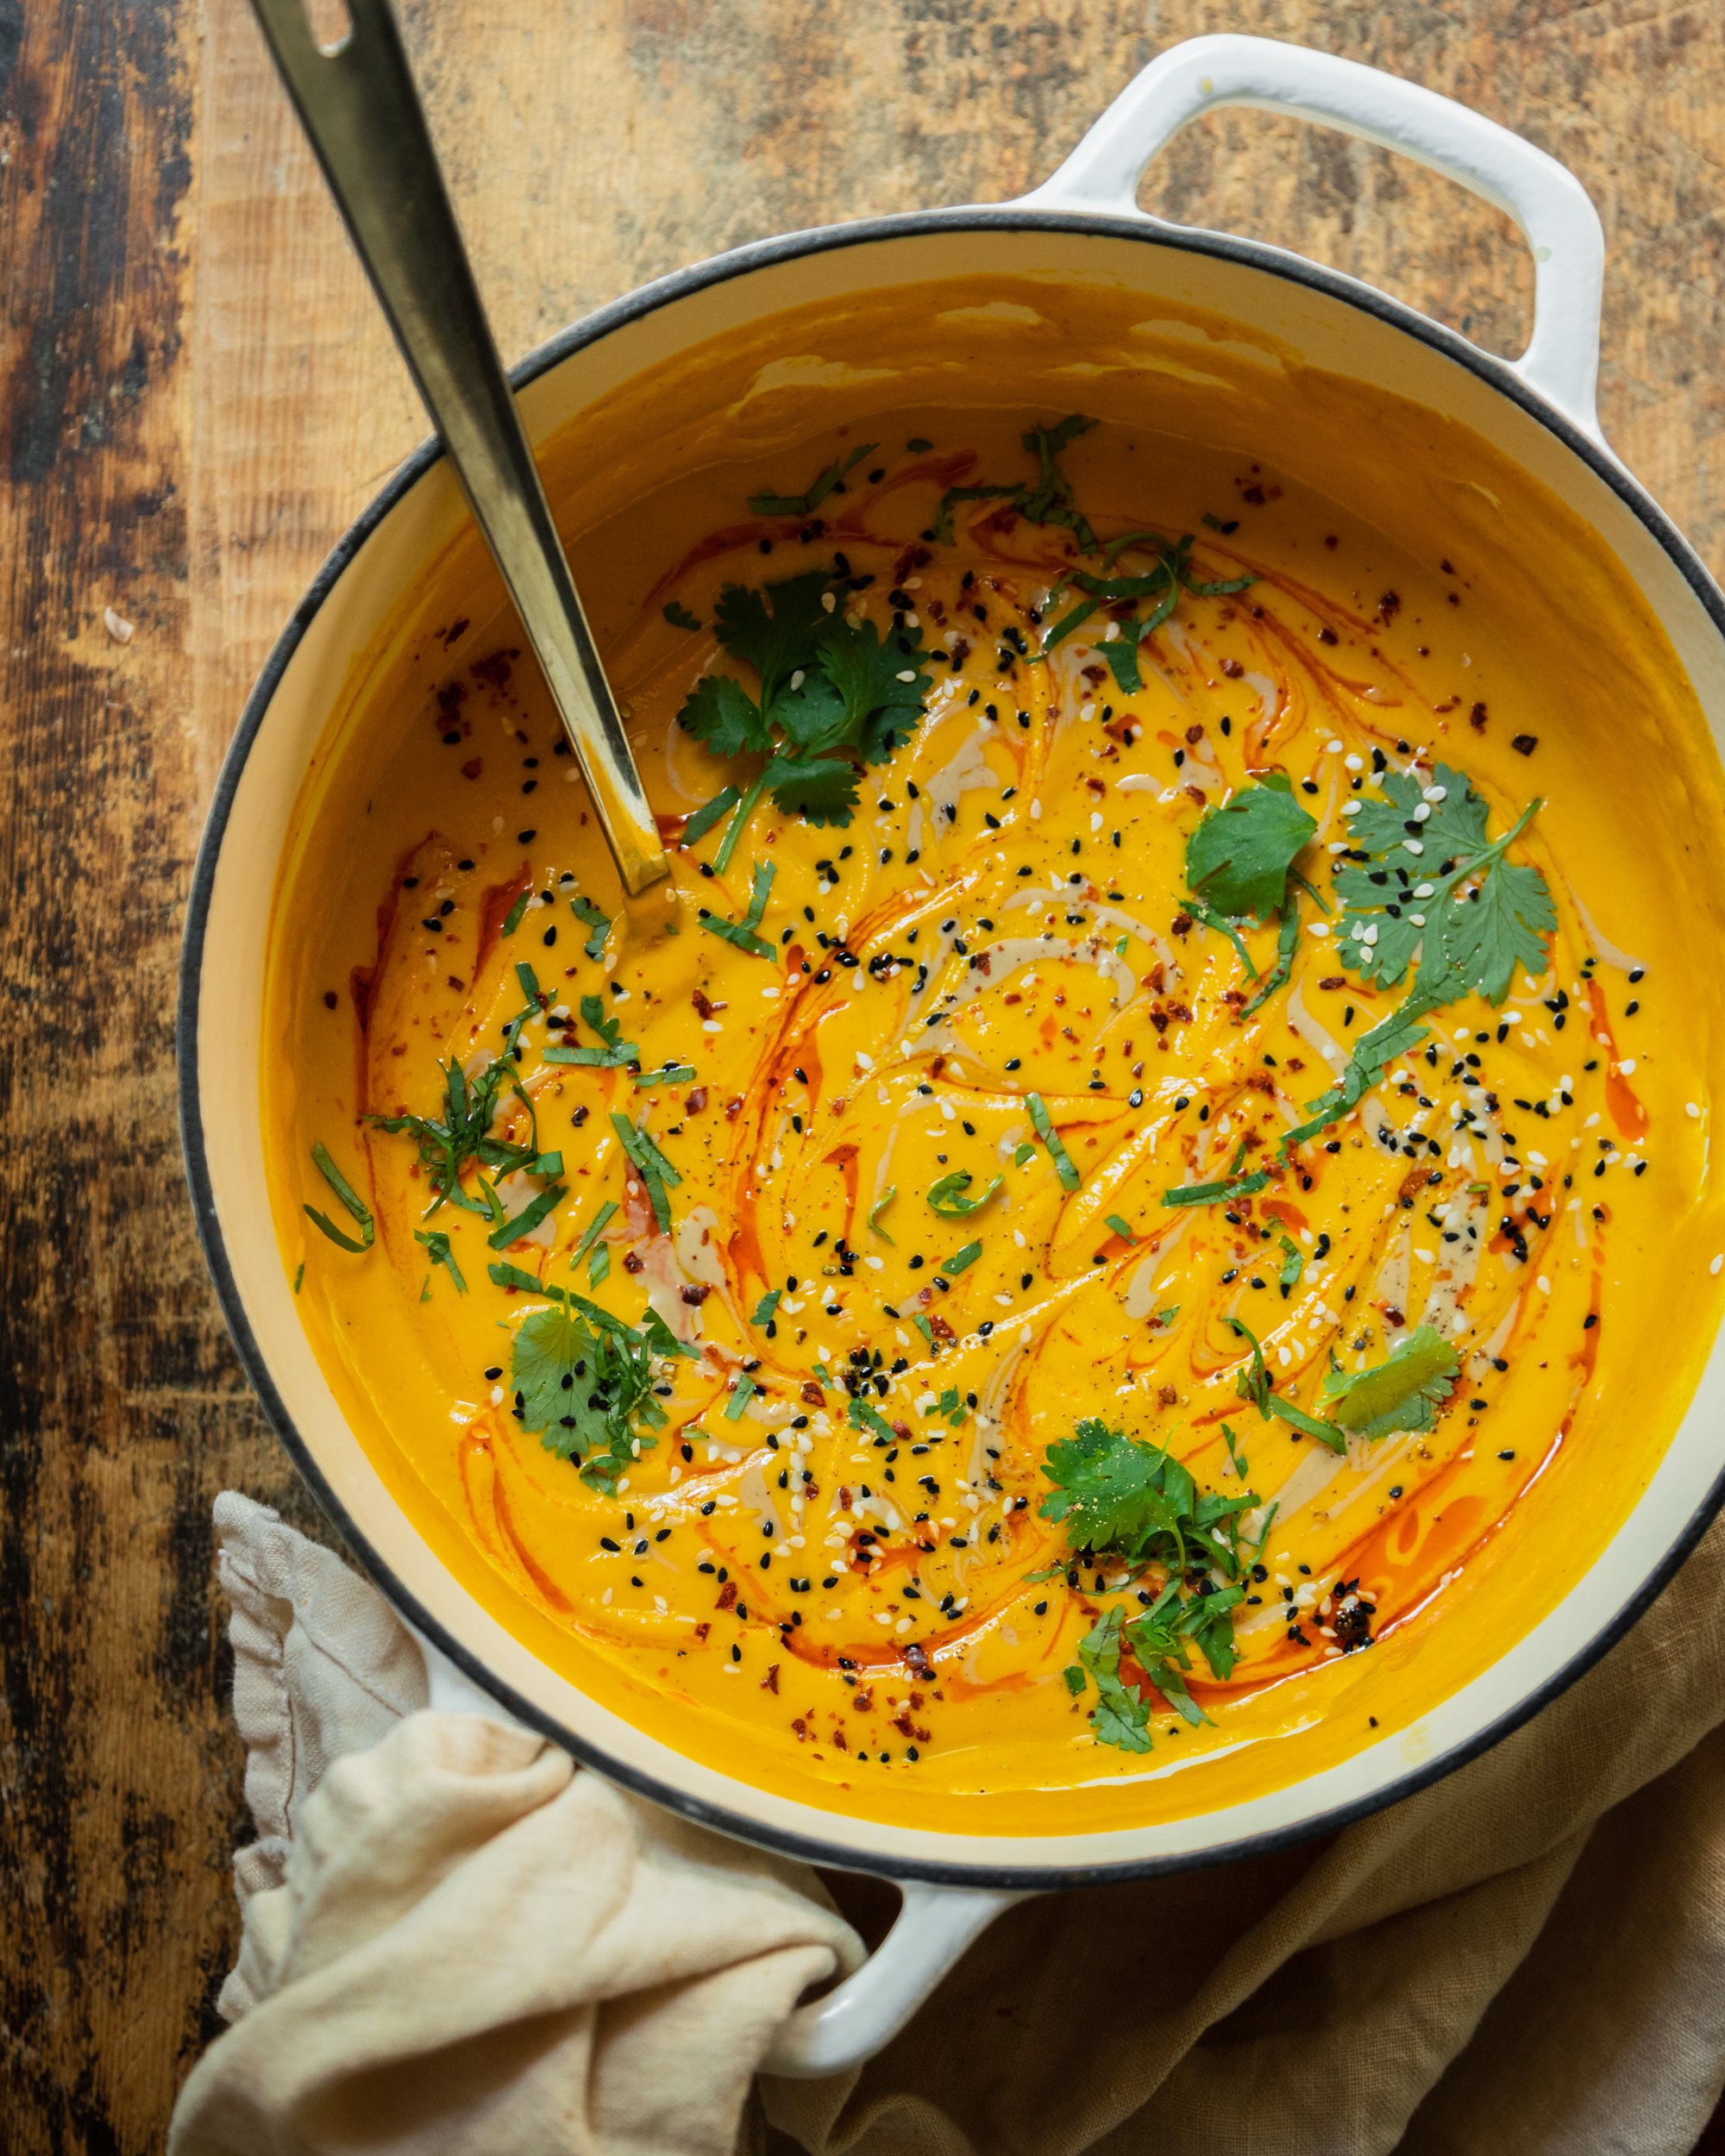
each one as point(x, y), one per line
point(663, 293)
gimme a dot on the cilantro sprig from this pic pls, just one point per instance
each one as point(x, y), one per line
point(584, 1378)
point(460, 1136)
point(1424, 877)
point(1127, 1501)
point(831, 696)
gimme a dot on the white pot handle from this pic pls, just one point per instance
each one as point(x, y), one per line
point(1556, 217)
point(933, 1929)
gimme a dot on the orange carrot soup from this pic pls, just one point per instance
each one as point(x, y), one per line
point(1138, 1206)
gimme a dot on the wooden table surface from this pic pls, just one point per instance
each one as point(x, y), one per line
point(197, 396)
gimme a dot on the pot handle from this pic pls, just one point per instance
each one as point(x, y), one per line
point(933, 1927)
point(1551, 206)
point(857, 2018)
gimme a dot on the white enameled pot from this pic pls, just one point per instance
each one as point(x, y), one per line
point(1082, 226)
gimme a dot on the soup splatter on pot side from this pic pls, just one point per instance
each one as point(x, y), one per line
point(1070, 1227)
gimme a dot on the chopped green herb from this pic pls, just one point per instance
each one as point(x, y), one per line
point(741, 933)
point(1120, 1227)
point(678, 615)
point(350, 1198)
point(1223, 1192)
point(961, 1259)
point(1235, 1456)
point(1253, 1384)
point(767, 1308)
point(948, 1198)
point(598, 1266)
point(815, 493)
point(709, 813)
point(590, 917)
point(1293, 1266)
point(1023, 1152)
point(1211, 919)
point(300, 1276)
point(1121, 1715)
point(741, 1393)
point(877, 1209)
point(1047, 499)
point(528, 1219)
point(861, 1416)
point(669, 1075)
point(1286, 942)
point(511, 920)
point(438, 1244)
point(923, 1326)
point(650, 1164)
point(1043, 1124)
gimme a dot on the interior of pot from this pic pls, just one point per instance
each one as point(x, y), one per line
point(785, 385)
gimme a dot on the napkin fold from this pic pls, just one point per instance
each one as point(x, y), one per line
point(454, 1942)
point(452, 1939)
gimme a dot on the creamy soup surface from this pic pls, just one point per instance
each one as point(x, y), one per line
point(1111, 1232)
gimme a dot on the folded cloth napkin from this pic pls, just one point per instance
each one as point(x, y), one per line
point(454, 1942)
point(1526, 1959)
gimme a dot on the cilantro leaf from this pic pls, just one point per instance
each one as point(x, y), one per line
point(1424, 877)
point(678, 615)
point(587, 1387)
point(1239, 857)
point(448, 1143)
point(882, 708)
point(1403, 1394)
point(805, 504)
point(773, 629)
point(822, 790)
point(722, 715)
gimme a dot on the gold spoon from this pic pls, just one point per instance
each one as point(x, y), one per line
point(358, 103)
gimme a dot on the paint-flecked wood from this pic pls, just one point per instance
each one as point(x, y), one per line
point(195, 398)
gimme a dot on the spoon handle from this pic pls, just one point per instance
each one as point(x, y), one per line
point(359, 106)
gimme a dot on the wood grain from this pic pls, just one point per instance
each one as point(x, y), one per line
point(196, 399)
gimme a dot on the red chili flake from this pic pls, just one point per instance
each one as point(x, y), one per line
point(1167, 1396)
point(1329, 636)
point(702, 1630)
point(473, 766)
point(1390, 606)
point(1476, 718)
point(1525, 744)
point(770, 1681)
point(1253, 494)
point(330, 999)
point(733, 1109)
point(802, 1729)
point(727, 1596)
point(941, 1331)
point(813, 1394)
point(1181, 924)
point(1232, 669)
point(633, 1262)
point(917, 1656)
point(494, 668)
point(695, 1293)
point(695, 1101)
point(1194, 736)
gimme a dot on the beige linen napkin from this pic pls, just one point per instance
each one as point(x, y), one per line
point(1526, 1959)
point(453, 1941)
point(456, 1945)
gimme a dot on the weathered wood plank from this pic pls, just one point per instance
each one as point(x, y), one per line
point(195, 398)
